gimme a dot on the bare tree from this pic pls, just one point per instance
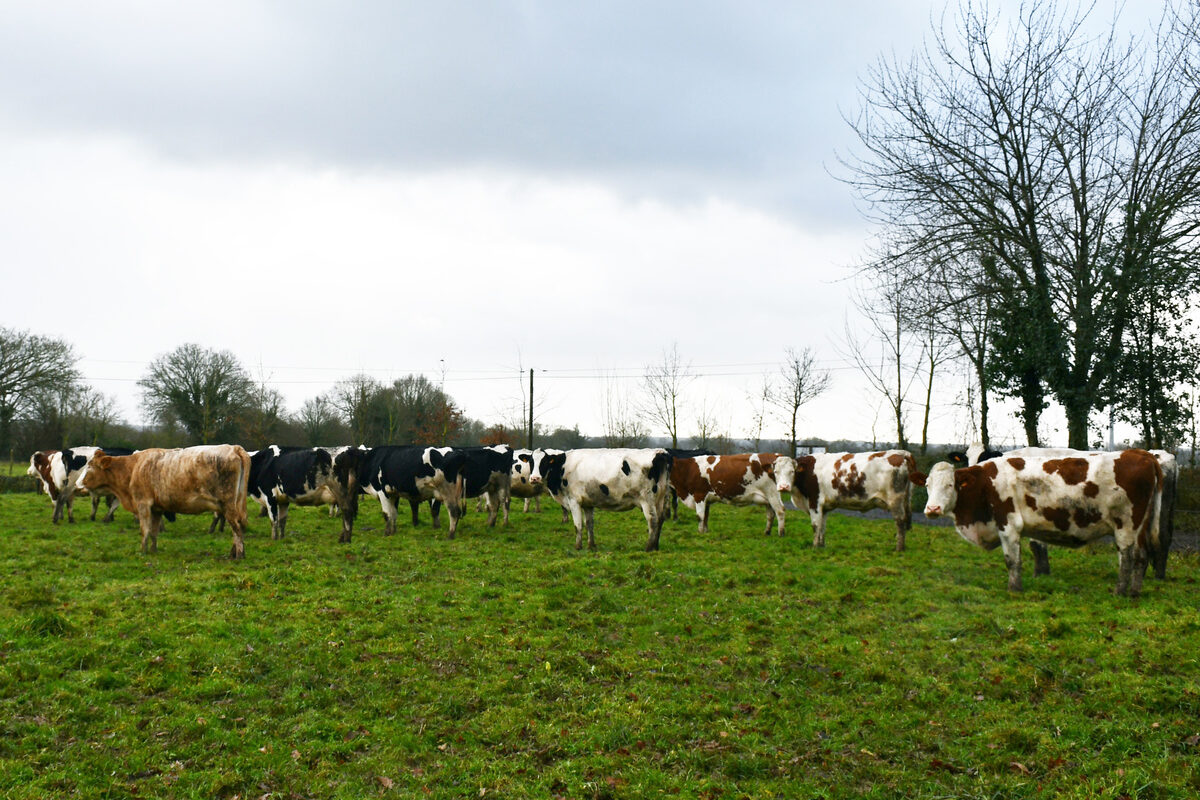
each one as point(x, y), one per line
point(317, 419)
point(623, 426)
point(887, 369)
point(759, 401)
point(800, 382)
point(30, 364)
point(352, 399)
point(205, 391)
point(708, 426)
point(663, 399)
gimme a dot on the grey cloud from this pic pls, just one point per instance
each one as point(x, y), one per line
point(673, 99)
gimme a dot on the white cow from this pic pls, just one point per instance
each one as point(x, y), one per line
point(610, 479)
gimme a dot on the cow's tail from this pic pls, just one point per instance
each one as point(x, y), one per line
point(243, 478)
point(1151, 539)
point(915, 476)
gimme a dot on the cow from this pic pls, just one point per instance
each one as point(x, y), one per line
point(156, 482)
point(42, 466)
point(739, 479)
point(1166, 533)
point(519, 485)
point(58, 471)
point(676, 454)
point(417, 474)
point(487, 473)
point(306, 476)
point(857, 481)
point(610, 479)
point(1067, 501)
point(972, 455)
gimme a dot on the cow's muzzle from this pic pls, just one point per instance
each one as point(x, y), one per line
point(932, 511)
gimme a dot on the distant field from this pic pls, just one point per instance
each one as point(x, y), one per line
point(505, 664)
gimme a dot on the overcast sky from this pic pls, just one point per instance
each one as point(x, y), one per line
point(450, 188)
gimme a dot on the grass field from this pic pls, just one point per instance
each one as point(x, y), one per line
point(505, 664)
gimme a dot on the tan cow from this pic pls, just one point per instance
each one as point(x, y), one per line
point(191, 480)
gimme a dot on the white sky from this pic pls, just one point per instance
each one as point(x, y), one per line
point(454, 189)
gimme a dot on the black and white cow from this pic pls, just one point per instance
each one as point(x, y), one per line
point(417, 474)
point(65, 469)
point(609, 479)
point(306, 476)
point(487, 474)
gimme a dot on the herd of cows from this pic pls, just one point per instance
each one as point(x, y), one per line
point(1049, 496)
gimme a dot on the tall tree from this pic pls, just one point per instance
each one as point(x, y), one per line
point(29, 365)
point(205, 391)
point(800, 381)
point(317, 419)
point(1073, 161)
point(352, 398)
point(664, 385)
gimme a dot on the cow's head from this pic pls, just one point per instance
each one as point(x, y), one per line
point(784, 471)
point(942, 484)
point(95, 473)
point(522, 466)
point(548, 469)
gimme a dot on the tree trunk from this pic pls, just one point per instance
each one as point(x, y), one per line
point(1031, 411)
point(984, 436)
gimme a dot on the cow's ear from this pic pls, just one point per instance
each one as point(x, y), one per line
point(963, 479)
point(957, 458)
point(102, 461)
point(917, 477)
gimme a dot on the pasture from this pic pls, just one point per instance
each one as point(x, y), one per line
point(506, 664)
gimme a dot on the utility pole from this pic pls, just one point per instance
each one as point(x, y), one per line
point(531, 408)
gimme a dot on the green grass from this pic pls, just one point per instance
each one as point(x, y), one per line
point(505, 664)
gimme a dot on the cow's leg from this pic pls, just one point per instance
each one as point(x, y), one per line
point(455, 512)
point(776, 512)
point(347, 505)
point(112, 509)
point(493, 498)
point(236, 515)
point(1041, 557)
point(1010, 541)
point(479, 501)
point(577, 519)
point(590, 518)
point(212, 526)
point(95, 506)
point(389, 513)
point(817, 515)
point(416, 507)
point(156, 526)
point(1141, 560)
point(279, 524)
point(564, 514)
point(506, 502)
point(435, 512)
point(674, 503)
point(65, 502)
point(702, 512)
point(656, 514)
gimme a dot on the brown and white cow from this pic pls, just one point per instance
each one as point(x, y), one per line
point(857, 481)
point(42, 465)
point(1064, 501)
point(191, 480)
point(741, 479)
point(1166, 527)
